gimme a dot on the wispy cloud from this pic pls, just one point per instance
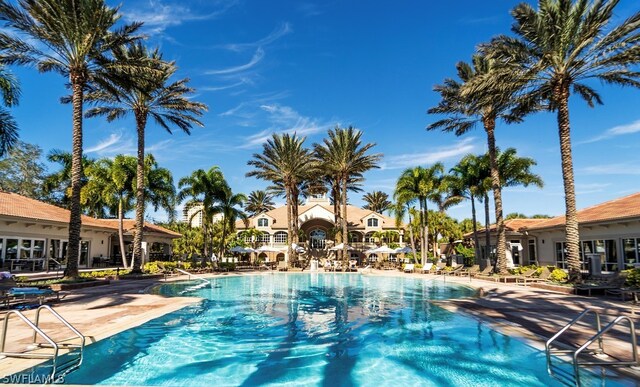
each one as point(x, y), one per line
point(612, 169)
point(284, 119)
point(587, 188)
point(159, 15)
point(257, 57)
point(107, 143)
point(280, 31)
point(456, 150)
point(616, 131)
point(116, 143)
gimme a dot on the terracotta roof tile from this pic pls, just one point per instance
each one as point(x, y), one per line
point(617, 209)
point(513, 225)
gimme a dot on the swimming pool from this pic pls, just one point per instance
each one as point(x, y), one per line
point(314, 329)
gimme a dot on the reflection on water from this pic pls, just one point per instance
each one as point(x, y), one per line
point(318, 329)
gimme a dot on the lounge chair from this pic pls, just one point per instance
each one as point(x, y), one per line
point(487, 271)
point(527, 279)
point(610, 283)
point(455, 270)
point(10, 293)
point(440, 267)
point(468, 271)
point(427, 267)
point(409, 268)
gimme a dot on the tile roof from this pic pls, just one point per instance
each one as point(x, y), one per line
point(617, 209)
point(512, 225)
point(19, 206)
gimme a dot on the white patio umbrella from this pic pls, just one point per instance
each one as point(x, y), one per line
point(267, 249)
point(240, 249)
point(404, 250)
point(297, 249)
point(383, 250)
point(340, 247)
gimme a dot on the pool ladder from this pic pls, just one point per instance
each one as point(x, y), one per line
point(597, 353)
point(73, 351)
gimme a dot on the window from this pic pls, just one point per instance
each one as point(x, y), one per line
point(372, 222)
point(630, 252)
point(264, 238)
point(84, 253)
point(369, 238)
point(263, 222)
point(280, 237)
point(354, 237)
point(605, 248)
point(532, 251)
point(12, 249)
point(15, 248)
point(317, 239)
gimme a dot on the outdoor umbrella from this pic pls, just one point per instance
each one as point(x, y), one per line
point(404, 250)
point(340, 247)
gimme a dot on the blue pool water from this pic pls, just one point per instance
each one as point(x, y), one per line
point(314, 329)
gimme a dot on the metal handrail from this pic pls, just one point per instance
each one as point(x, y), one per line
point(565, 328)
point(193, 275)
point(598, 336)
point(64, 322)
point(37, 331)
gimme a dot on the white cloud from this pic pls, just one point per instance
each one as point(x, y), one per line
point(407, 160)
point(105, 144)
point(619, 130)
point(612, 169)
point(280, 31)
point(257, 57)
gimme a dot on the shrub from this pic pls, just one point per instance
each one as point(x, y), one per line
point(633, 277)
point(104, 273)
point(558, 275)
point(418, 266)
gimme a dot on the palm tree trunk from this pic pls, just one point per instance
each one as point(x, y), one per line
point(345, 226)
point(121, 234)
point(411, 237)
point(561, 95)
point(289, 224)
point(224, 235)
point(487, 228)
point(296, 226)
point(475, 229)
point(75, 219)
point(141, 122)
point(426, 230)
point(496, 186)
point(422, 244)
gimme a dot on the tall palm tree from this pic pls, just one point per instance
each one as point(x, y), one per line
point(417, 185)
point(344, 156)
point(465, 111)
point(230, 206)
point(285, 162)
point(466, 179)
point(203, 188)
point(152, 96)
point(9, 92)
point(73, 38)
point(399, 210)
point(561, 48)
point(159, 188)
point(377, 201)
point(57, 185)
point(258, 202)
point(112, 183)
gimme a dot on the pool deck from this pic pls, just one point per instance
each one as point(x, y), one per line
point(532, 313)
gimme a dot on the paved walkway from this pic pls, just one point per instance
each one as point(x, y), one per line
point(536, 314)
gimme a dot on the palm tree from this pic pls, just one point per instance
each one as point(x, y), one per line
point(159, 188)
point(466, 179)
point(466, 111)
point(73, 38)
point(152, 96)
point(229, 205)
point(377, 201)
point(345, 157)
point(418, 184)
point(203, 188)
point(286, 163)
point(258, 202)
point(57, 186)
point(10, 92)
point(112, 183)
point(399, 210)
point(562, 47)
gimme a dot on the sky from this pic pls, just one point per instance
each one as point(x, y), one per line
point(277, 66)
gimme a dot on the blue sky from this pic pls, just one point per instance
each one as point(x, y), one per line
point(285, 66)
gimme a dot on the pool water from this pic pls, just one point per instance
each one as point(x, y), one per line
point(314, 329)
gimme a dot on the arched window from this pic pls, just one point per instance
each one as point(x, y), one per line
point(280, 237)
point(263, 222)
point(372, 222)
point(373, 257)
point(355, 237)
point(368, 238)
point(264, 238)
point(317, 239)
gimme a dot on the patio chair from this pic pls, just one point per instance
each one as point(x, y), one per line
point(603, 284)
point(409, 268)
point(427, 267)
point(468, 271)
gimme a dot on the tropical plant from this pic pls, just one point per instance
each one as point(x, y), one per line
point(286, 163)
point(229, 205)
point(203, 188)
point(191, 242)
point(399, 210)
point(258, 202)
point(558, 49)
point(465, 111)
point(21, 171)
point(74, 39)
point(418, 185)
point(377, 201)
point(56, 186)
point(515, 215)
point(110, 184)
point(9, 92)
point(150, 96)
point(343, 156)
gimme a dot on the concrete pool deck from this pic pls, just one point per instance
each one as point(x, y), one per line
point(531, 313)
